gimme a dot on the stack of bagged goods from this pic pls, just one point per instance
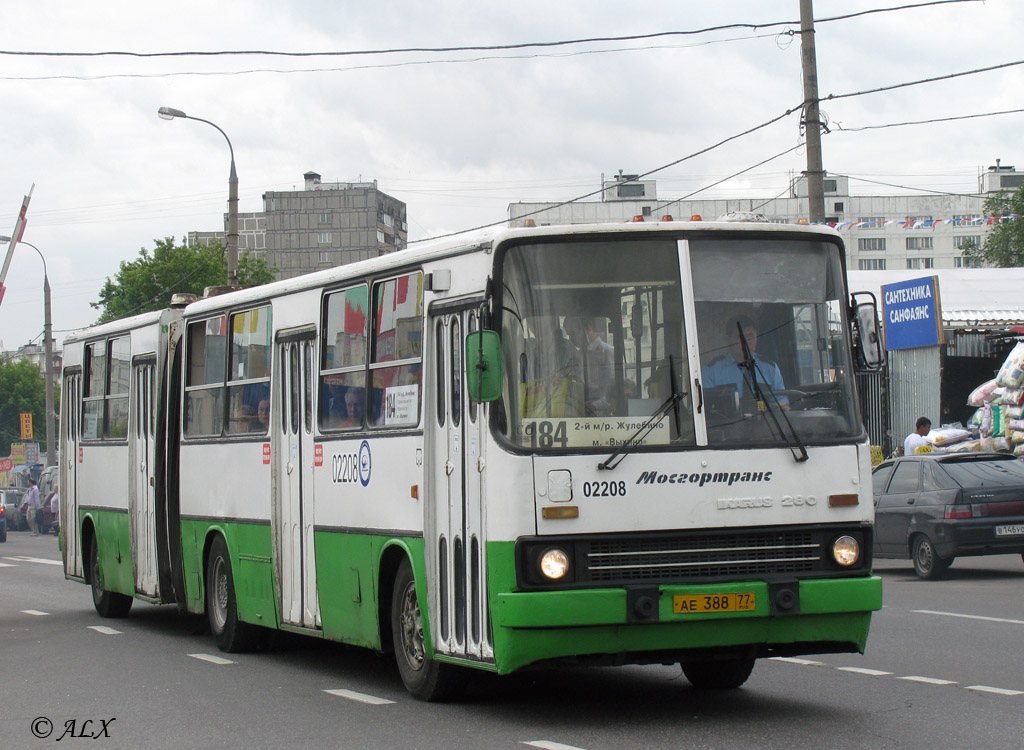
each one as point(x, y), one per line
point(949, 439)
point(999, 420)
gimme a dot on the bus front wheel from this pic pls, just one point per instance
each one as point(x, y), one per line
point(718, 674)
point(231, 635)
point(107, 603)
point(425, 678)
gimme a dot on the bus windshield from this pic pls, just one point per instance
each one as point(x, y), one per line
point(596, 338)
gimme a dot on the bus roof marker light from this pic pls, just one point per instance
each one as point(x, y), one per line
point(667, 217)
point(638, 217)
point(696, 217)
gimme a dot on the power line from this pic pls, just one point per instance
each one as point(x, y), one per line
point(924, 80)
point(839, 127)
point(474, 48)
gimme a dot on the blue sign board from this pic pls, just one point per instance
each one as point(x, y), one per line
point(911, 314)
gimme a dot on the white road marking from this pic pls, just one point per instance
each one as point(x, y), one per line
point(7, 565)
point(862, 670)
point(929, 680)
point(548, 745)
point(211, 658)
point(997, 691)
point(794, 660)
point(104, 629)
point(967, 617)
point(35, 612)
point(361, 697)
point(40, 560)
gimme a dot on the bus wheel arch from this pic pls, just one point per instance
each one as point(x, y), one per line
point(107, 603)
point(220, 600)
point(423, 676)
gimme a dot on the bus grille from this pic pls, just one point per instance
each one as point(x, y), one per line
point(721, 555)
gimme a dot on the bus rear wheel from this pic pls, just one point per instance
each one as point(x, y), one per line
point(425, 678)
point(720, 674)
point(107, 603)
point(231, 635)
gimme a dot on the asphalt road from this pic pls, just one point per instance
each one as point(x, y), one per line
point(942, 670)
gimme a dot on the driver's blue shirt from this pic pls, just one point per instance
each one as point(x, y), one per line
point(727, 371)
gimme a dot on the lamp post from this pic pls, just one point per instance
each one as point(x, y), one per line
point(168, 113)
point(51, 458)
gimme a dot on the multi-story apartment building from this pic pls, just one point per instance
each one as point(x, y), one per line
point(322, 225)
point(881, 231)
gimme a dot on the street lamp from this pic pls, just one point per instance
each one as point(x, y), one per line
point(168, 113)
point(47, 352)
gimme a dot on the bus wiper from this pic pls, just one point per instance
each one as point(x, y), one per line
point(648, 426)
point(749, 364)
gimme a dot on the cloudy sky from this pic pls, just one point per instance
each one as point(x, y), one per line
point(458, 135)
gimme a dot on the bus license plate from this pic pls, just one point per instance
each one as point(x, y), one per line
point(686, 605)
point(1016, 529)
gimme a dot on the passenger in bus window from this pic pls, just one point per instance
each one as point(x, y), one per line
point(355, 406)
point(729, 369)
point(598, 358)
point(262, 423)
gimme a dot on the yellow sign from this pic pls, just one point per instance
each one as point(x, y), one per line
point(26, 426)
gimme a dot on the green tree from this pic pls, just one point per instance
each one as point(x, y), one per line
point(147, 283)
point(22, 390)
point(1004, 245)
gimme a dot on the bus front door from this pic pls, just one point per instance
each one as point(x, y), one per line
point(142, 490)
point(293, 488)
point(456, 551)
point(71, 410)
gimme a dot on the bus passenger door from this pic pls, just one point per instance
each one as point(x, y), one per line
point(459, 619)
point(71, 410)
point(142, 491)
point(293, 490)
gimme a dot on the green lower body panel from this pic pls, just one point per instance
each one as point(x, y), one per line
point(250, 549)
point(114, 548)
point(530, 627)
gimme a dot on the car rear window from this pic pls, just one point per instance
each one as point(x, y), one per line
point(986, 473)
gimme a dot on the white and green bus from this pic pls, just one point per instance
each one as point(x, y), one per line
point(607, 444)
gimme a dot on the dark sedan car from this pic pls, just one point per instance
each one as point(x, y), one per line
point(933, 508)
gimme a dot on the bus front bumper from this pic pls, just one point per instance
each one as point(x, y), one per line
point(828, 615)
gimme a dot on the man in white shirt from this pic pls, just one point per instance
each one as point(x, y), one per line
point(916, 439)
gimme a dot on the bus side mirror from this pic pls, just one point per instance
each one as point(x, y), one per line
point(483, 365)
point(867, 342)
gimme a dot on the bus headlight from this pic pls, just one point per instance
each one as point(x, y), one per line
point(846, 551)
point(554, 564)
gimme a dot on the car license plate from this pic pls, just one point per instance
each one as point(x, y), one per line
point(1016, 529)
point(687, 604)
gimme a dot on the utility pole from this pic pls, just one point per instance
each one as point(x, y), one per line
point(811, 116)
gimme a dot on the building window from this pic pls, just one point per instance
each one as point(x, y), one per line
point(971, 239)
point(830, 186)
point(919, 243)
point(962, 262)
point(871, 219)
point(871, 264)
point(915, 263)
point(325, 257)
point(380, 237)
point(871, 244)
point(634, 190)
point(838, 207)
point(323, 238)
point(325, 218)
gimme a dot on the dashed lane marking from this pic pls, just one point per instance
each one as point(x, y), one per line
point(35, 612)
point(211, 658)
point(794, 660)
point(927, 680)
point(8, 565)
point(104, 629)
point(40, 560)
point(997, 691)
point(862, 670)
point(968, 617)
point(360, 697)
point(548, 745)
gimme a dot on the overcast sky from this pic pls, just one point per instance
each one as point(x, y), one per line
point(458, 135)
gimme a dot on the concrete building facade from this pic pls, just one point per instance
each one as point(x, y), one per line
point(324, 224)
point(882, 232)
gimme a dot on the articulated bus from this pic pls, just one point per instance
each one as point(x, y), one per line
point(606, 444)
